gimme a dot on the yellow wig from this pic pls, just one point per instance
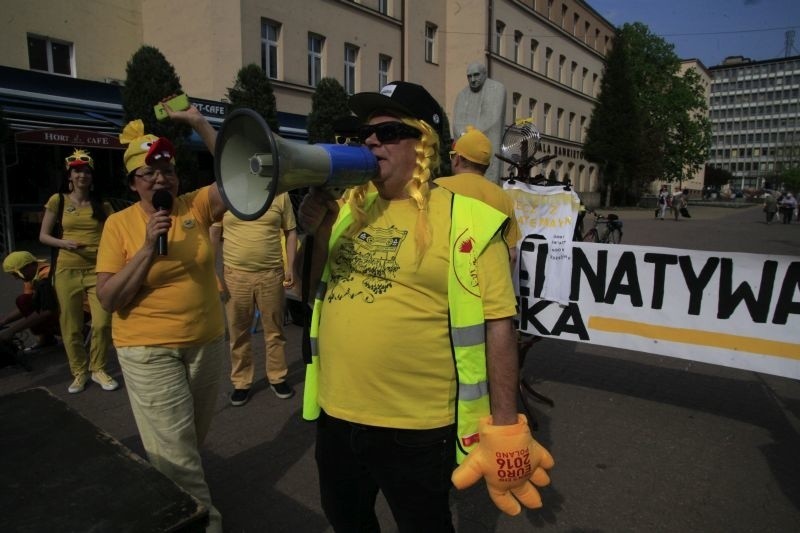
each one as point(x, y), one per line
point(418, 187)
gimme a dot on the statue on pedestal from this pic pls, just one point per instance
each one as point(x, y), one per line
point(482, 104)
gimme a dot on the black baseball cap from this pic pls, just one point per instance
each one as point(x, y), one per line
point(407, 99)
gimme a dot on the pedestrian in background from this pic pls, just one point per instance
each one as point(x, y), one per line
point(253, 279)
point(72, 224)
point(677, 203)
point(787, 205)
point(663, 202)
point(770, 207)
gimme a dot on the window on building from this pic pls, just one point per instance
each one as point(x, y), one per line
point(548, 53)
point(515, 98)
point(50, 55)
point(575, 19)
point(499, 27)
point(594, 85)
point(270, 32)
point(559, 117)
point(546, 119)
point(383, 6)
point(573, 68)
point(570, 124)
point(582, 133)
point(350, 64)
point(586, 33)
point(534, 49)
point(583, 79)
point(315, 44)
point(384, 70)
point(532, 109)
point(562, 61)
point(549, 9)
point(430, 43)
point(564, 17)
point(596, 38)
point(517, 46)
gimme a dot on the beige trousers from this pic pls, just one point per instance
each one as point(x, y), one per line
point(173, 394)
point(249, 290)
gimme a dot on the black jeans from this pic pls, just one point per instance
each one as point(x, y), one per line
point(411, 467)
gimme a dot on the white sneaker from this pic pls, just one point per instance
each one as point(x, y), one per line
point(104, 380)
point(78, 384)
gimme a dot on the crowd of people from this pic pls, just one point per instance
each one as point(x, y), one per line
point(418, 268)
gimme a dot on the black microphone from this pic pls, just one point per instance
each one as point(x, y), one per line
point(162, 200)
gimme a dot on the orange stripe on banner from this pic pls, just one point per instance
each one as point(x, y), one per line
point(697, 337)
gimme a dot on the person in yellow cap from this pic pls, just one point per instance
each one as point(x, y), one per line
point(72, 224)
point(42, 323)
point(469, 159)
point(168, 326)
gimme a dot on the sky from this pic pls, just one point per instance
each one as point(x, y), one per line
point(711, 30)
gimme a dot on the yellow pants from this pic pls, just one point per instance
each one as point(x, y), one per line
point(248, 290)
point(73, 287)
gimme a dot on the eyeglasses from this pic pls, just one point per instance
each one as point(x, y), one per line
point(149, 174)
point(388, 132)
point(347, 139)
point(81, 158)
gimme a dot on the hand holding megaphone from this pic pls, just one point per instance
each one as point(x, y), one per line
point(318, 209)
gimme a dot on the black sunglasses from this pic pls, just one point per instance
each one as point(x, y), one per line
point(347, 139)
point(388, 132)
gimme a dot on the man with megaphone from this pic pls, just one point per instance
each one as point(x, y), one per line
point(412, 328)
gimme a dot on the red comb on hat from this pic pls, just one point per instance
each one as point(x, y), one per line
point(160, 150)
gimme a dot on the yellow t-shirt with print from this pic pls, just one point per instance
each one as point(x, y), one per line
point(79, 226)
point(478, 187)
point(385, 355)
point(177, 304)
point(255, 245)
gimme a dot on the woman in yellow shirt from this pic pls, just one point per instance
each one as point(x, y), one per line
point(82, 218)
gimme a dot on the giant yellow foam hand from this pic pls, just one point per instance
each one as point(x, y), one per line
point(511, 462)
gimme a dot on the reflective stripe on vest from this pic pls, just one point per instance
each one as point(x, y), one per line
point(469, 335)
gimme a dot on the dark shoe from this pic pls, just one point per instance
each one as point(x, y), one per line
point(240, 397)
point(282, 390)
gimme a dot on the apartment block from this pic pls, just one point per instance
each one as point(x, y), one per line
point(754, 117)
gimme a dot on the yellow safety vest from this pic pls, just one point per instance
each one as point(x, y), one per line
point(473, 224)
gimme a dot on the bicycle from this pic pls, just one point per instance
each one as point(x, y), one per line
point(612, 234)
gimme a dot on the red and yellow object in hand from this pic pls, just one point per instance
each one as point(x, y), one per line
point(511, 461)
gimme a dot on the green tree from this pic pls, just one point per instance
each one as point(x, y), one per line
point(654, 125)
point(613, 139)
point(252, 89)
point(151, 78)
point(717, 177)
point(328, 104)
point(791, 179)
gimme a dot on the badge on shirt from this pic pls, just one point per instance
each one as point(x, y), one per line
point(188, 223)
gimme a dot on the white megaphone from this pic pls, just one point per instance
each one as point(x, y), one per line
point(252, 165)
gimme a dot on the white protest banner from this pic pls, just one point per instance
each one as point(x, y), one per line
point(550, 212)
point(732, 309)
